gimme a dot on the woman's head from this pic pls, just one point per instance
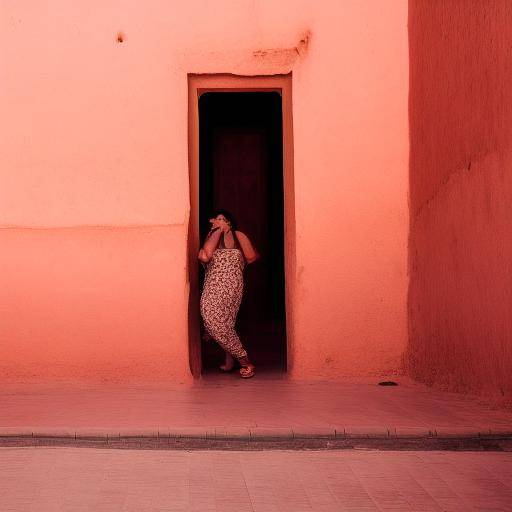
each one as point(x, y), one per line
point(221, 214)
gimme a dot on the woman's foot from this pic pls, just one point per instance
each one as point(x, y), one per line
point(247, 371)
point(246, 368)
point(229, 363)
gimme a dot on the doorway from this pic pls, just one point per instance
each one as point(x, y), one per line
point(241, 170)
point(240, 158)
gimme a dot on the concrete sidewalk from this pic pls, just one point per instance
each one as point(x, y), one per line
point(226, 406)
point(77, 479)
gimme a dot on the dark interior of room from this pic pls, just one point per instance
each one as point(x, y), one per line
point(241, 170)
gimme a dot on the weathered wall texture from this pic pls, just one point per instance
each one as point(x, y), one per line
point(94, 179)
point(460, 295)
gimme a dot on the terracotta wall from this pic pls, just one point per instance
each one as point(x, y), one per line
point(94, 197)
point(460, 295)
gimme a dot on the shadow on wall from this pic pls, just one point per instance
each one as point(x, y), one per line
point(460, 105)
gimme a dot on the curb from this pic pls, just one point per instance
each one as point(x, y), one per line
point(496, 443)
point(253, 433)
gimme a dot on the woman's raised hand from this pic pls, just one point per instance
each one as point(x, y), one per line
point(214, 225)
point(221, 224)
point(224, 226)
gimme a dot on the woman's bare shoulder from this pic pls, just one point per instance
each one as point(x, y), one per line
point(241, 234)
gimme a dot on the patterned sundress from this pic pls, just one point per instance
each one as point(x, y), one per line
point(222, 295)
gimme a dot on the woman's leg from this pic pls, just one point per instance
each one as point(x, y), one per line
point(222, 330)
point(229, 362)
point(219, 308)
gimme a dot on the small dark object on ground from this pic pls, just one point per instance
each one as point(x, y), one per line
point(388, 383)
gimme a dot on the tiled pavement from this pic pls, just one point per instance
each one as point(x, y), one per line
point(227, 405)
point(83, 479)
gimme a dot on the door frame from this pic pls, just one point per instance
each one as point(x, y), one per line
point(198, 84)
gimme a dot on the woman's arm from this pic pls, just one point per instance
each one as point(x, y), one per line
point(209, 246)
point(203, 256)
point(251, 254)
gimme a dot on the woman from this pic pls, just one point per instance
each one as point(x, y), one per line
point(225, 253)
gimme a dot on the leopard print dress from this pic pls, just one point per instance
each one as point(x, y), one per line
point(222, 295)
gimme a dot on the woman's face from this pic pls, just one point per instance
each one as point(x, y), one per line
point(220, 217)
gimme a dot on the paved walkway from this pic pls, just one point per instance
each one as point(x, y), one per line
point(227, 405)
point(82, 479)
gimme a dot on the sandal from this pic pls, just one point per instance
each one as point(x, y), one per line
point(246, 367)
point(247, 371)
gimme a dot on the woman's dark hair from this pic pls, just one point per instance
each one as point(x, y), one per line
point(229, 216)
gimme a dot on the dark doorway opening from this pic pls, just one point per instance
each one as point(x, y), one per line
point(241, 170)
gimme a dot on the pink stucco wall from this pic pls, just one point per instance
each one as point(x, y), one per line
point(94, 170)
point(461, 192)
